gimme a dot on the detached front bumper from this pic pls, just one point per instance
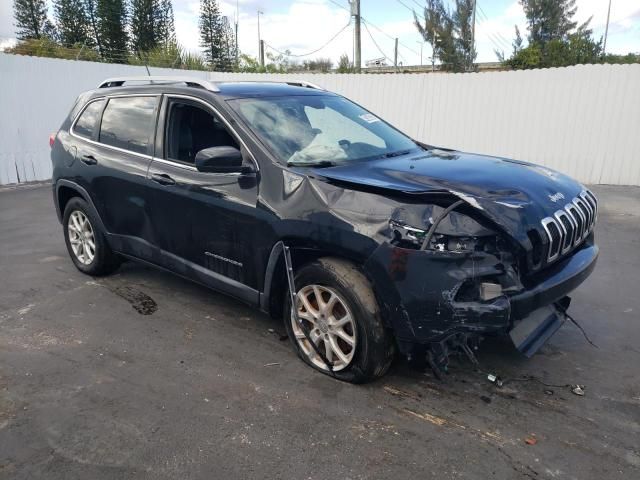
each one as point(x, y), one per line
point(555, 283)
point(419, 295)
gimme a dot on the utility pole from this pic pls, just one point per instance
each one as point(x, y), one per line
point(262, 53)
point(433, 52)
point(473, 35)
point(606, 32)
point(260, 47)
point(355, 13)
point(421, 45)
point(237, 20)
point(395, 55)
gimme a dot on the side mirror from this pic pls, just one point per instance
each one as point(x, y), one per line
point(220, 160)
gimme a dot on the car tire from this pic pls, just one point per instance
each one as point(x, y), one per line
point(373, 347)
point(86, 241)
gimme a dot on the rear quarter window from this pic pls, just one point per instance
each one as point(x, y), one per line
point(86, 124)
point(128, 123)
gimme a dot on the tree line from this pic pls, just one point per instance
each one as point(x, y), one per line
point(122, 31)
point(554, 38)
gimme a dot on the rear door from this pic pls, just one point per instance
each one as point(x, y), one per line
point(204, 222)
point(118, 159)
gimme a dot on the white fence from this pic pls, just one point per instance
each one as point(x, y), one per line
point(582, 120)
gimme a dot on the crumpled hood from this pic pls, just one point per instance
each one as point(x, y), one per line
point(515, 195)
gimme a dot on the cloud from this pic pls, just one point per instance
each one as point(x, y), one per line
point(7, 43)
point(7, 30)
point(622, 12)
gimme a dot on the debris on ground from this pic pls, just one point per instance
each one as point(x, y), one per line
point(281, 336)
point(427, 417)
point(396, 392)
point(578, 390)
point(271, 364)
point(485, 399)
point(575, 389)
point(530, 440)
point(495, 379)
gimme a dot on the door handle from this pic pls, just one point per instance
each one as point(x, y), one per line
point(88, 160)
point(163, 179)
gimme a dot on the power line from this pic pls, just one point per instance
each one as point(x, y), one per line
point(386, 34)
point(498, 43)
point(341, 6)
point(405, 5)
point(314, 51)
point(497, 33)
point(374, 42)
point(375, 26)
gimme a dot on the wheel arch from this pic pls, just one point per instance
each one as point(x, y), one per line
point(65, 190)
point(275, 281)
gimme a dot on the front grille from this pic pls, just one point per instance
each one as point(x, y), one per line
point(568, 227)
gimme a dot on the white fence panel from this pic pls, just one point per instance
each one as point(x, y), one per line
point(582, 120)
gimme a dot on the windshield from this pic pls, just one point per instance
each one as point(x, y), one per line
point(320, 130)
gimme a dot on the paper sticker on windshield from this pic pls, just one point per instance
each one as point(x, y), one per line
point(369, 118)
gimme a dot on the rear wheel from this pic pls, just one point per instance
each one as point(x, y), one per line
point(86, 242)
point(337, 307)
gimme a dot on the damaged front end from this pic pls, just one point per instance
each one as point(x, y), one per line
point(451, 275)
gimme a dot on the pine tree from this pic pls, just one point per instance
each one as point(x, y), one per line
point(216, 37)
point(166, 25)
point(462, 18)
point(31, 19)
point(449, 33)
point(210, 25)
point(228, 53)
point(555, 39)
point(71, 22)
point(112, 18)
point(143, 24)
point(549, 19)
point(91, 9)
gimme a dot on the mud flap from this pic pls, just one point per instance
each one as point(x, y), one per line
point(530, 333)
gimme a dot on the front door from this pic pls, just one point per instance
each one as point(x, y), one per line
point(204, 222)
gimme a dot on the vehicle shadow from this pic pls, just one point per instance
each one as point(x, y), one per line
point(496, 355)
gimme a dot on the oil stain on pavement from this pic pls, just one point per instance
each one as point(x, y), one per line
point(140, 301)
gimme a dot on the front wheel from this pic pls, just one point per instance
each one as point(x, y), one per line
point(337, 308)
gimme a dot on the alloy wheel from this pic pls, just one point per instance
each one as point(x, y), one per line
point(330, 324)
point(81, 237)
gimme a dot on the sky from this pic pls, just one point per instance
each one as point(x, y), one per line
point(303, 26)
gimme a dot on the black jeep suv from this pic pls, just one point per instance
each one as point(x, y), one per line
point(284, 194)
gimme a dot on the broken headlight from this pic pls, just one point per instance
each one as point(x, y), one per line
point(455, 233)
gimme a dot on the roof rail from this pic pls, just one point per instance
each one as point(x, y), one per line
point(189, 81)
point(304, 83)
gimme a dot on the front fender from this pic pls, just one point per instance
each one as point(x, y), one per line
point(417, 290)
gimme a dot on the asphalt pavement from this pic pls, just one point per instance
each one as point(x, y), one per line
point(146, 375)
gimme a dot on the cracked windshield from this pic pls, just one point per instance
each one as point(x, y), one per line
point(309, 130)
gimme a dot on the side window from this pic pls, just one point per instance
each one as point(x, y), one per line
point(128, 122)
point(189, 129)
point(86, 124)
